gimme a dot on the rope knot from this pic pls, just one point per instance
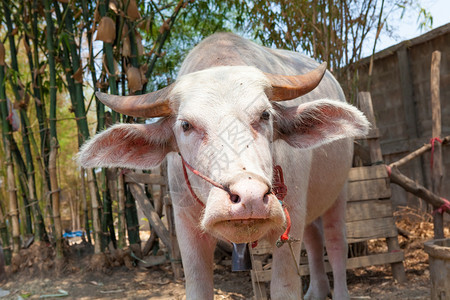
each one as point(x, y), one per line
point(432, 141)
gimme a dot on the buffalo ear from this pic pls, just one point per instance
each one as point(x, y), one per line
point(312, 124)
point(132, 146)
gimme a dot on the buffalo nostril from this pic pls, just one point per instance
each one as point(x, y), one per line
point(266, 197)
point(235, 198)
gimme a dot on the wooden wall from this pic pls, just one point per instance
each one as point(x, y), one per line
point(400, 89)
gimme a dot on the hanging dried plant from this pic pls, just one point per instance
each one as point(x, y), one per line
point(26, 46)
point(165, 26)
point(2, 54)
point(125, 31)
point(106, 30)
point(126, 47)
point(113, 5)
point(140, 47)
point(134, 79)
point(143, 70)
point(97, 16)
point(78, 75)
point(132, 11)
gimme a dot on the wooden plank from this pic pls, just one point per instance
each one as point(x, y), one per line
point(261, 276)
point(373, 133)
point(371, 229)
point(262, 248)
point(369, 209)
point(363, 261)
point(369, 189)
point(367, 173)
point(145, 178)
point(258, 278)
point(352, 263)
point(365, 103)
point(150, 214)
point(406, 84)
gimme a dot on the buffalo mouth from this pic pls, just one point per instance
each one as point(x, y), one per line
point(243, 230)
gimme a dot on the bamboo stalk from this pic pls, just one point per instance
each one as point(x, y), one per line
point(5, 236)
point(162, 39)
point(55, 196)
point(55, 190)
point(14, 84)
point(95, 211)
point(7, 137)
point(437, 173)
point(85, 205)
point(121, 204)
point(39, 103)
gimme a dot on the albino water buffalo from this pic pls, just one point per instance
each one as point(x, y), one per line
point(223, 129)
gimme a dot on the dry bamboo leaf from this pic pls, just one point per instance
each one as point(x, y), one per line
point(14, 31)
point(140, 47)
point(125, 31)
point(165, 26)
point(126, 47)
point(132, 11)
point(106, 30)
point(78, 75)
point(2, 54)
point(96, 15)
point(143, 70)
point(42, 69)
point(26, 46)
point(113, 5)
point(63, 1)
point(134, 79)
point(78, 14)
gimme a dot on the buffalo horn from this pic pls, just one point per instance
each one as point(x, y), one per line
point(285, 87)
point(155, 104)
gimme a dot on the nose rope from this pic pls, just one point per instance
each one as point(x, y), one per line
point(279, 189)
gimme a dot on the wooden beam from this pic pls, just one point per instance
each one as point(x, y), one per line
point(144, 178)
point(367, 173)
point(437, 174)
point(150, 213)
point(414, 188)
point(416, 153)
point(352, 263)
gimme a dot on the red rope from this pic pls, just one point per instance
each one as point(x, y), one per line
point(389, 170)
point(444, 207)
point(432, 141)
point(207, 179)
point(279, 190)
point(186, 178)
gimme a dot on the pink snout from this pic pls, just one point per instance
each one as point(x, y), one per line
point(245, 214)
point(249, 198)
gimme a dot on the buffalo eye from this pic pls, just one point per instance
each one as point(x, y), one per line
point(265, 115)
point(186, 126)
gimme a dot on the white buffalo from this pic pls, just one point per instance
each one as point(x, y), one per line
point(223, 128)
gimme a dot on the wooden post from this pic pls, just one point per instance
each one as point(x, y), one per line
point(365, 101)
point(437, 173)
point(175, 254)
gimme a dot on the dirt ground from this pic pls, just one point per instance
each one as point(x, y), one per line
point(79, 281)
